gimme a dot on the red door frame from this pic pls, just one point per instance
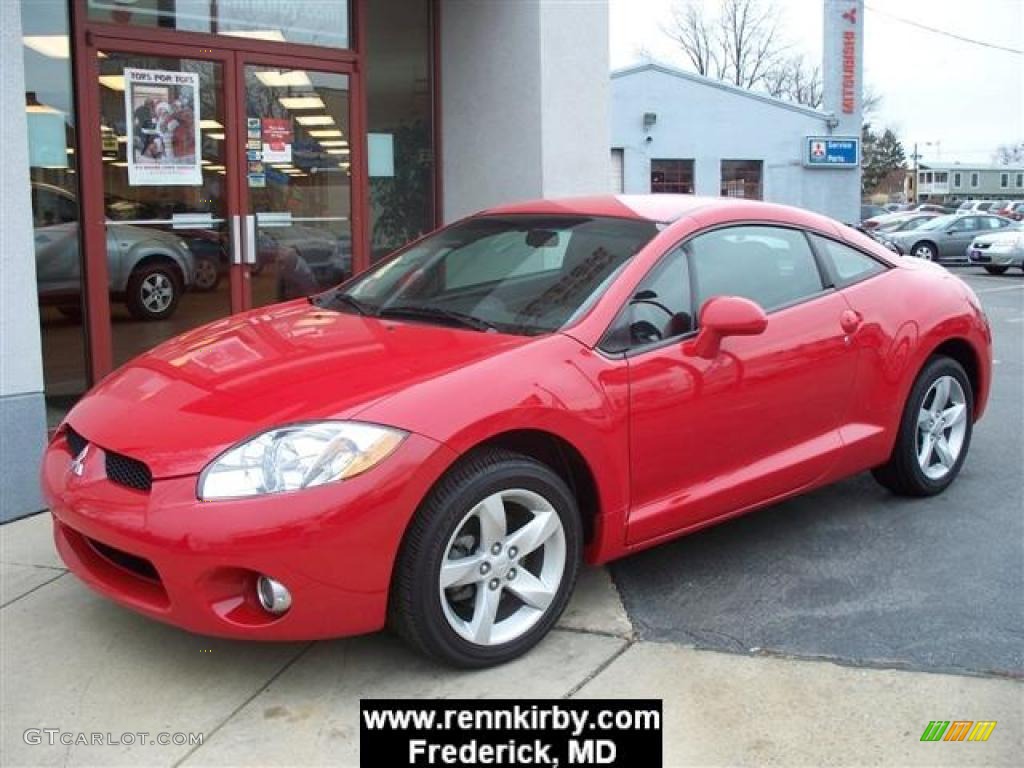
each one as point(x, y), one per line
point(233, 53)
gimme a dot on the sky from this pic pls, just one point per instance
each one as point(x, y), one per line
point(957, 100)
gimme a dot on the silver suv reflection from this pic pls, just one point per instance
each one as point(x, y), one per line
point(149, 269)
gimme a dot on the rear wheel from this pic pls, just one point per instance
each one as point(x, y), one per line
point(207, 274)
point(935, 432)
point(489, 562)
point(153, 292)
point(996, 270)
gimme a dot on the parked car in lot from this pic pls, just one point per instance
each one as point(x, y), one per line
point(974, 206)
point(1011, 209)
point(944, 238)
point(897, 222)
point(999, 251)
point(868, 211)
point(148, 269)
point(934, 208)
point(440, 441)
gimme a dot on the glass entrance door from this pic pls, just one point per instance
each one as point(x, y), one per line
point(297, 190)
point(166, 169)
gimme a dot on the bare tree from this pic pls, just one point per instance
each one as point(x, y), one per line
point(741, 45)
point(698, 39)
point(1009, 154)
point(795, 80)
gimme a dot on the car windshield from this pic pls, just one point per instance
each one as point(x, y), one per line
point(521, 274)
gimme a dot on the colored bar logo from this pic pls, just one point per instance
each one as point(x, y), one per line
point(958, 730)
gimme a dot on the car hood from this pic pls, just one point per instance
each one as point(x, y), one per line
point(1004, 236)
point(182, 403)
point(138, 234)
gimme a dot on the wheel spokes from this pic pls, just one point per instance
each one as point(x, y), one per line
point(464, 570)
point(532, 535)
point(943, 452)
point(954, 414)
point(924, 453)
point(531, 590)
point(493, 523)
point(941, 399)
point(485, 610)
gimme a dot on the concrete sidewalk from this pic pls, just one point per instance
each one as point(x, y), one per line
point(74, 661)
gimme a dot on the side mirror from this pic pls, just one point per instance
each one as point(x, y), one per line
point(724, 316)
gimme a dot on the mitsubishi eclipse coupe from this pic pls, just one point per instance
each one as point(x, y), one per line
point(438, 443)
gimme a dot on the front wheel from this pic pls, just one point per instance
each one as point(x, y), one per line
point(153, 292)
point(489, 562)
point(996, 270)
point(935, 432)
point(925, 251)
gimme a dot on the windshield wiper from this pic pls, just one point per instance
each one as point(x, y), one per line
point(417, 311)
point(324, 301)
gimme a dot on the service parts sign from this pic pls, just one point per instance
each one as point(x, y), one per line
point(832, 152)
point(162, 121)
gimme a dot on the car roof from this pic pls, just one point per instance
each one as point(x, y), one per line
point(661, 208)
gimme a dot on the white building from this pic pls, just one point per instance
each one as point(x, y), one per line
point(676, 131)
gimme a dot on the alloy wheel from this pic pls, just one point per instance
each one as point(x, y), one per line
point(941, 427)
point(157, 292)
point(925, 252)
point(502, 567)
point(206, 274)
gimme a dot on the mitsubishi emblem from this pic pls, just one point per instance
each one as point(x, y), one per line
point(78, 463)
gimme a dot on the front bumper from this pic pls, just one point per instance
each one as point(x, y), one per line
point(996, 257)
point(195, 564)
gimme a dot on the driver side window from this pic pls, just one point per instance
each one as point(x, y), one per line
point(660, 309)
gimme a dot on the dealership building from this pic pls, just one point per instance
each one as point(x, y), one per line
point(247, 138)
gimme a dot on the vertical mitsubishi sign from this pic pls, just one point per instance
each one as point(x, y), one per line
point(843, 81)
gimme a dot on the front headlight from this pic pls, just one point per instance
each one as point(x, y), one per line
point(297, 456)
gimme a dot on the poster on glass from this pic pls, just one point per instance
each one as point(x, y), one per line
point(162, 110)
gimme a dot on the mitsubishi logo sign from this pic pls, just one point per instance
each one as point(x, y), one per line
point(78, 463)
point(851, 15)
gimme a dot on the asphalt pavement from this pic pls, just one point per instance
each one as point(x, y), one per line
point(855, 575)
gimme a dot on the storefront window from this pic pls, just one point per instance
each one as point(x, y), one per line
point(741, 178)
point(310, 22)
point(400, 144)
point(49, 107)
point(672, 176)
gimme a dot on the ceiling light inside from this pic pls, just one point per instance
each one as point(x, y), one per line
point(301, 102)
point(315, 120)
point(274, 78)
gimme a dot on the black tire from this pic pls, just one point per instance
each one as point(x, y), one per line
point(415, 610)
point(902, 474)
point(207, 276)
point(926, 248)
point(138, 292)
point(996, 270)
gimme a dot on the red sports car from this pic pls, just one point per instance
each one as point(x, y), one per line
point(438, 442)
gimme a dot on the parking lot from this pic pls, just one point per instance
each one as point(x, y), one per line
point(917, 602)
point(854, 574)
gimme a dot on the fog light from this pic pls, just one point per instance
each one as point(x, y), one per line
point(274, 596)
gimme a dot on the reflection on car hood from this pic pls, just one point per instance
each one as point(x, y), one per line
point(1002, 236)
point(179, 405)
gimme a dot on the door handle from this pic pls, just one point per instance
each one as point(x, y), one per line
point(250, 239)
point(850, 320)
point(236, 241)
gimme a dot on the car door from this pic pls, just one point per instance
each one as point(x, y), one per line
point(55, 235)
point(956, 239)
point(713, 436)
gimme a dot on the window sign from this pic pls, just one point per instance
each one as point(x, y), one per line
point(162, 116)
point(278, 136)
point(381, 154)
point(47, 144)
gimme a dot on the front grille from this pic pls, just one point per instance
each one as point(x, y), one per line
point(129, 472)
point(75, 441)
point(140, 566)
